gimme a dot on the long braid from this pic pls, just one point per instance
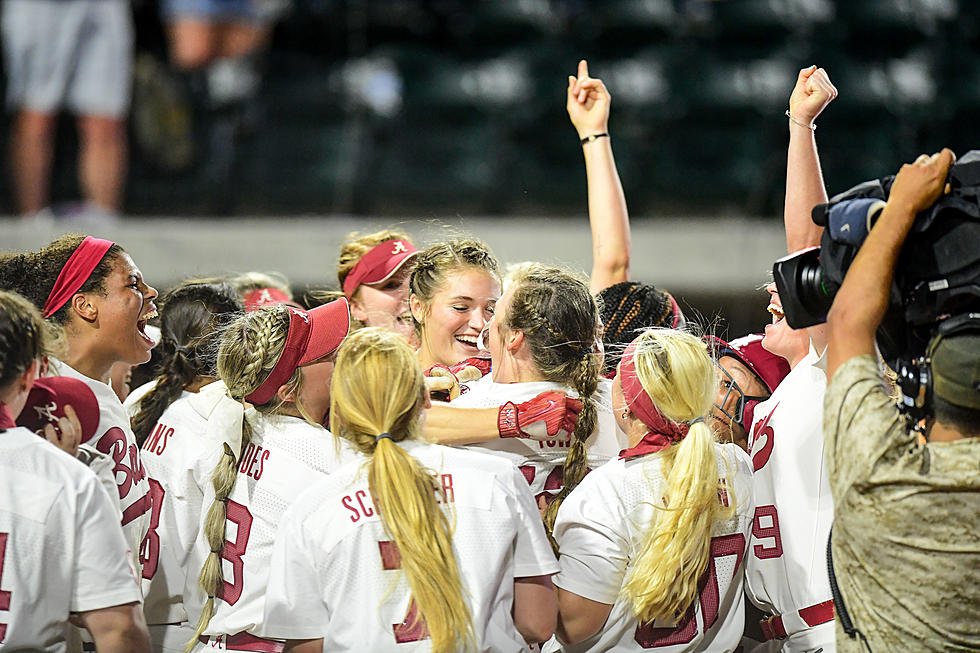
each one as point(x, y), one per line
point(248, 352)
point(559, 319)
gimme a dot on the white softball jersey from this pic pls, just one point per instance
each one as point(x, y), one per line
point(542, 462)
point(601, 528)
point(61, 547)
point(114, 441)
point(335, 572)
point(286, 455)
point(170, 454)
point(786, 569)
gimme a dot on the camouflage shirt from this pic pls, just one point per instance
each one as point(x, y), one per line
point(906, 536)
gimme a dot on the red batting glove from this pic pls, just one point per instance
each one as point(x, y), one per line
point(482, 364)
point(541, 418)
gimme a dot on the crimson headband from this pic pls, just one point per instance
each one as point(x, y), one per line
point(256, 299)
point(376, 262)
point(663, 432)
point(311, 335)
point(297, 337)
point(76, 271)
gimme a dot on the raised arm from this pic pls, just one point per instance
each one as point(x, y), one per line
point(804, 179)
point(862, 300)
point(587, 103)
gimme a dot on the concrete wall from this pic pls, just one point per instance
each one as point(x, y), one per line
point(714, 266)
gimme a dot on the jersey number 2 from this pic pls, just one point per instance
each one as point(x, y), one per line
point(412, 628)
point(710, 599)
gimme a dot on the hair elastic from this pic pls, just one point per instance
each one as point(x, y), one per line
point(76, 271)
point(696, 420)
point(382, 436)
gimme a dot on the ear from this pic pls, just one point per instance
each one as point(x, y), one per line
point(418, 309)
point(81, 305)
point(514, 340)
point(29, 375)
point(356, 310)
point(286, 394)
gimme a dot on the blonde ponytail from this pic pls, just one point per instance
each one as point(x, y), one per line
point(676, 371)
point(377, 387)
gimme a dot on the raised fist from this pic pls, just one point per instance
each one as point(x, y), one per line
point(542, 418)
point(812, 93)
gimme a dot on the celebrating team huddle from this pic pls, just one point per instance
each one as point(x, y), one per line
point(437, 457)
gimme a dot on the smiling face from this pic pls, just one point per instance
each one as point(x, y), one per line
point(452, 321)
point(385, 304)
point(780, 339)
point(121, 314)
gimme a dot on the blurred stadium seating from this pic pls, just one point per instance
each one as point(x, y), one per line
point(445, 107)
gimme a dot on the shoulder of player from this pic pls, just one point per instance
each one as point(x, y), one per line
point(132, 403)
point(25, 445)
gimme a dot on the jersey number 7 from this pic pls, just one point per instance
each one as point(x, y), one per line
point(710, 599)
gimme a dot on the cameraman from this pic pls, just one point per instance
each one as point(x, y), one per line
point(905, 546)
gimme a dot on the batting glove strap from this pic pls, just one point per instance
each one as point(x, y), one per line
point(507, 425)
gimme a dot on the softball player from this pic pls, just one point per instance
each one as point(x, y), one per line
point(374, 271)
point(786, 572)
point(661, 531)
point(93, 287)
point(62, 552)
point(543, 339)
point(278, 359)
point(172, 430)
point(454, 287)
point(412, 546)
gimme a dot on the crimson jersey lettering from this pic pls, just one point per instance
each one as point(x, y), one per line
point(254, 454)
point(4, 594)
point(763, 531)
point(413, 626)
point(113, 443)
point(760, 455)
point(150, 550)
point(709, 598)
point(157, 442)
point(239, 515)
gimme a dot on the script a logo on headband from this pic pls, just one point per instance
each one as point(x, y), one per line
point(300, 313)
point(399, 248)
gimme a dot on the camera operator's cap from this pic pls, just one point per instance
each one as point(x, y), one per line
point(850, 221)
point(769, 368)
point(47, 400)
point(379, 264)
point(956, 369)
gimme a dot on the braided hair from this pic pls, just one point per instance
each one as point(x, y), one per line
point(435, 264)
point(249, 349)
point(628, 307)
point(190, 317)
point(559, 319)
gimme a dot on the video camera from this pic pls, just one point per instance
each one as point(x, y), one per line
point(938, 270)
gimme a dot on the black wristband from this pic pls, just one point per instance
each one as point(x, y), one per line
point(593, 137)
